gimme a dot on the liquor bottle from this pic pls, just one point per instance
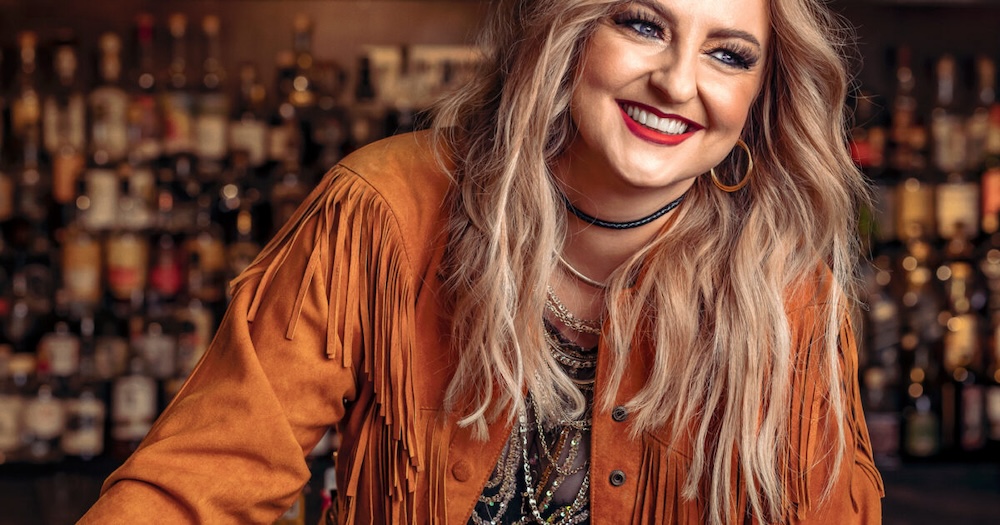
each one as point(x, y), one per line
point(284, 134)
point(303, 90)
point(990, 174)
point(962, 393)
point(11, 405)
point(44, 419)
point(880, 366)
point(867, 143)
point(109, 107)
point(111, 350)
point(366, 115)
point(177, 101)
point(80, 260)
point(100, 206)
point(64, 123)
point(166, 276)
point(60, 350)
point(127, 254)
point(244, 249)
point(957, 197)
point(921, 344)
point(158, 343)
point(197, 324)
point(133, 408)
point(33, 185)
point(145, 124)
point(330, 122)
point(25, 101)
point(85, 414)
point(207, 252)
point(287, 192)
point(977, 124)
point(248, 128)
point(947, 124)
point(212, 116)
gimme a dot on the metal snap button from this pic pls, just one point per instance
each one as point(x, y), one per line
point(617, 478)
point(619, 414)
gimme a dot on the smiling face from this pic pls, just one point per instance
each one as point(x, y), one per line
point(663, 93)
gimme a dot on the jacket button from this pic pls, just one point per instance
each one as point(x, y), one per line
point(619, 414)
point(461, 471)
point(617, 478)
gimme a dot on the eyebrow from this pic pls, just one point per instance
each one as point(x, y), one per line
point(665, 13)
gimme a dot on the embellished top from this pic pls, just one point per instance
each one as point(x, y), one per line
point(543, 475)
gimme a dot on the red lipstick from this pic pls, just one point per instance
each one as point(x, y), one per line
point(652, 135)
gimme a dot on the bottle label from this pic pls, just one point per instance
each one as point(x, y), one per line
point(10, 418)
point(251, 137)
point(81, 269)
point(127, 264)
point(160, 353)
point(211, 132)
point(972, 434)
point(44, 418)
point(993, 411)
point(178, 122)
point(109, 124)
point(145, 128)
point(84, 434)
point(110, 356)
point(6, 196)
point(65, 126)
point(102, 188)
point(960, 342)
point(63, 353)
point(957, 204)
point(66, 169)
point(915, 209)
point(990, 186)
point(133, 407)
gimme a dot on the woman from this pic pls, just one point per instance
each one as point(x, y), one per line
point(613, 285)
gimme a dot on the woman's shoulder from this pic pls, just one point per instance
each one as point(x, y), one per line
point(406, 170)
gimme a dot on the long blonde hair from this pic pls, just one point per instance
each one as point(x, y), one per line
point(712, 299)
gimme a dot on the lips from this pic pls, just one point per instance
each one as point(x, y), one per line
point(651, 125)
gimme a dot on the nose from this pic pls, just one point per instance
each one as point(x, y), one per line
point(677, 75)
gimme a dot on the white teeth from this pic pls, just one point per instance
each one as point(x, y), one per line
point(663, 125)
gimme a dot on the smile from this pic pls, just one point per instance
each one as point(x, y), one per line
point(650, 125)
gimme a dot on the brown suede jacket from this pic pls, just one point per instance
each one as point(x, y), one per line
point(339, 323)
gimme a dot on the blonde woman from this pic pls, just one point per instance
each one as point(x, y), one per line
point(613, 285)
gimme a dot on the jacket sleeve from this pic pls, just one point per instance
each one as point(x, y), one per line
point(281, 370)
point(855, 496)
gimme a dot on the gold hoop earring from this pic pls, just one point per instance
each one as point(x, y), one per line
point(746, 176)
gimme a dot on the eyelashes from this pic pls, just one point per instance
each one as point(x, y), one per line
point(645, 25)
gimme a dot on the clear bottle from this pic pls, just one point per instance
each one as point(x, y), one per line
point(248, 129)
point(145, 125)
point(44, 419)
point(81, 256)
point(212, 116)
point(11, 406)
point(64, 116)
point(25, 100)
point(133, 408)
point(177, 102)
point(109, 107)
point(127, 252)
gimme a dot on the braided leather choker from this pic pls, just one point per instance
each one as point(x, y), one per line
point(589, 219)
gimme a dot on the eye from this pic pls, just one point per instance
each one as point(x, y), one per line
point(735, 57)
point(640, 23)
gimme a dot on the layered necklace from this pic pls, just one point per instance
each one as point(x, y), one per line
point(541, 465)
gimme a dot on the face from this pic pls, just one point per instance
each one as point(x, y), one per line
point(664, 91)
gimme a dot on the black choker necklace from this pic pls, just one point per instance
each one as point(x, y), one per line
point(589, 219)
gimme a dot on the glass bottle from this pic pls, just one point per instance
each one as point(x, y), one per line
point(44, 419)
point(212, 117)
point(25, 101)
point(177, 101)
point(127, 254)
point(11, 406)
point(64, 123)
point(207, 252)
point(248, 128)
point(145, 125)
point(133, 408)
point(880, 363)
point(109, 107)
point(81, 257)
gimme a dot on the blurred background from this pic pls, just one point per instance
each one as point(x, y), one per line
point(149, 148)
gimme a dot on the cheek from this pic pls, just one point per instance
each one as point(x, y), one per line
point(729, 105)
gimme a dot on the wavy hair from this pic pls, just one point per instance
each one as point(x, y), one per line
point(714, 286)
